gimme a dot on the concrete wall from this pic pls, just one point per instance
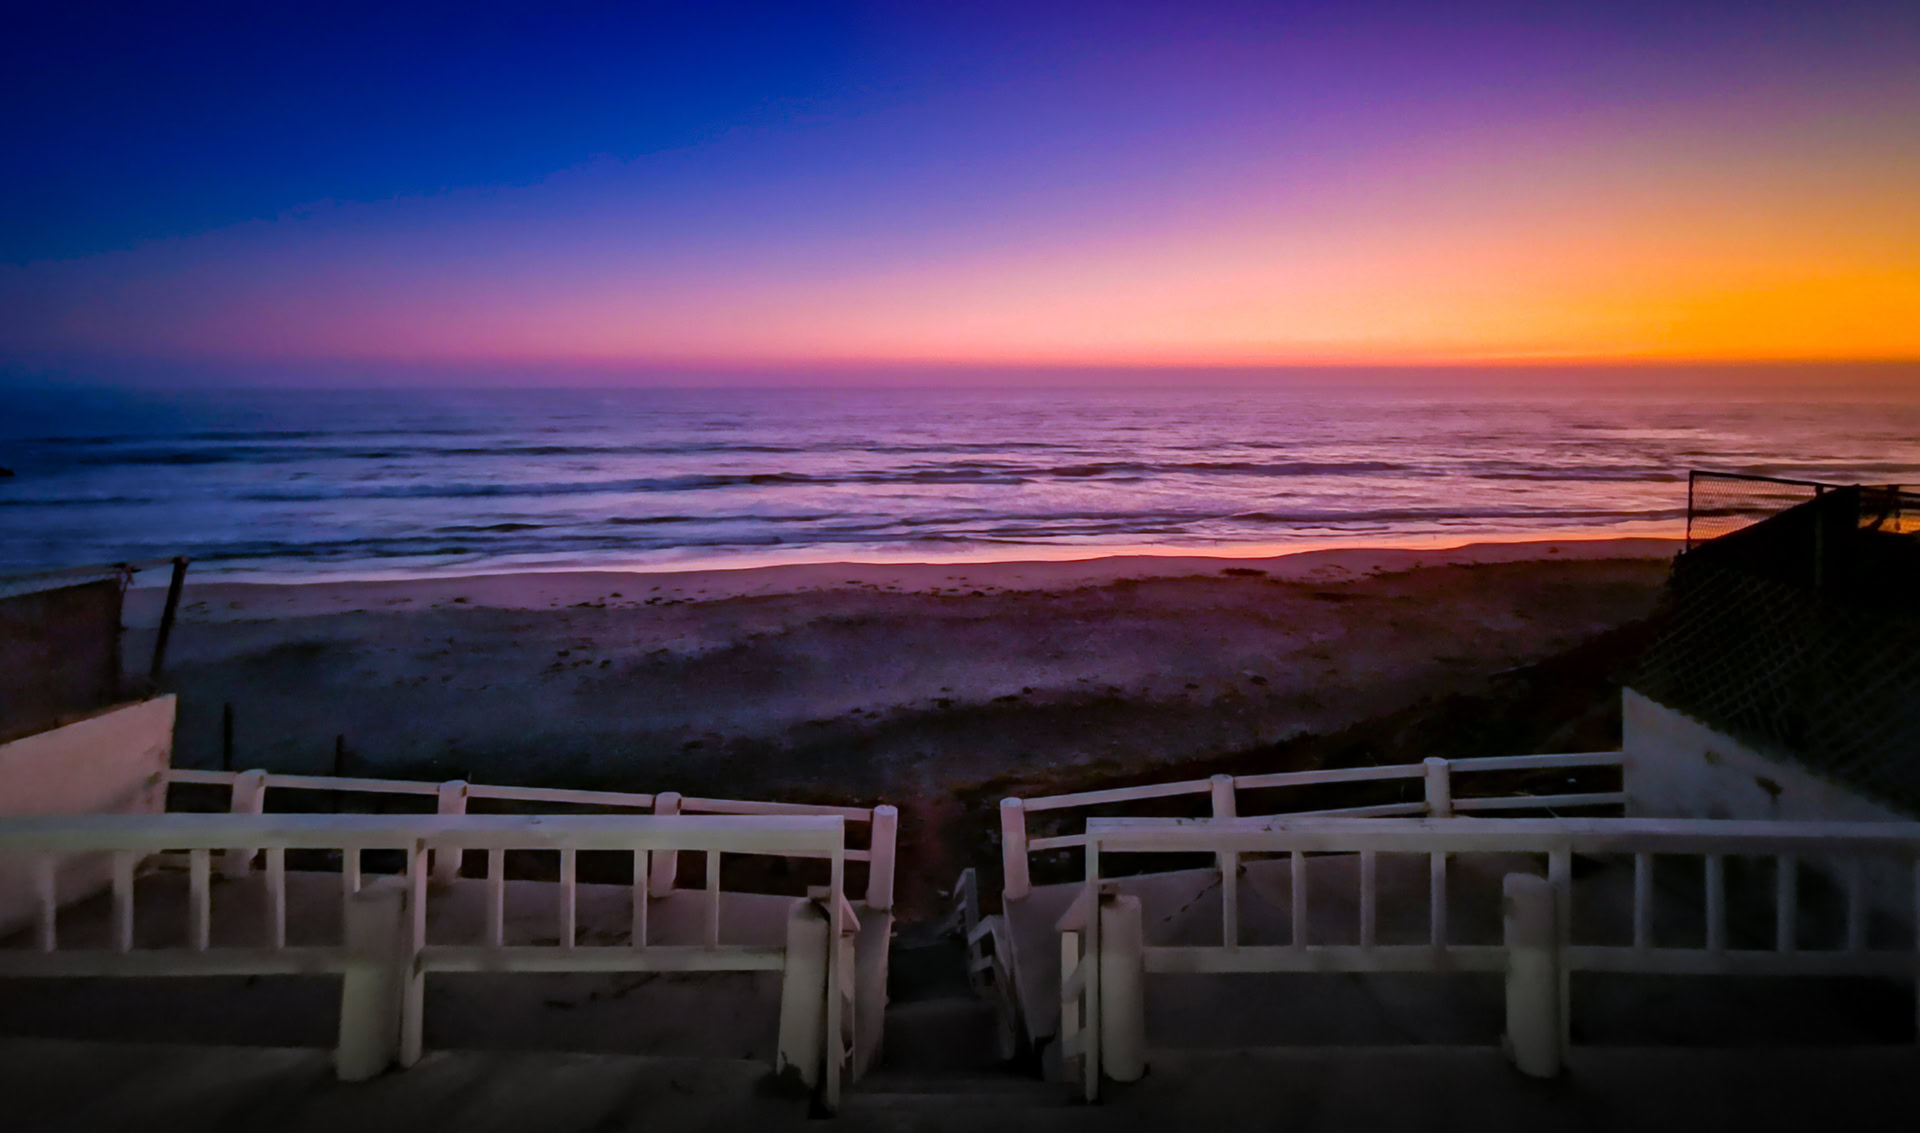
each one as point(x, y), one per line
point(1677, 767)
point(114, 762)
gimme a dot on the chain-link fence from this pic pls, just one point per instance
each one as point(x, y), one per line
point(1799, 635)
point(1892, 509)
point(1834, 685)
point(1721, 503)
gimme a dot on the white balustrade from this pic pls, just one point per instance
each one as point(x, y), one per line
point(382, 951)
point(1438, 779)
point(1539, 949)
point(248, 791)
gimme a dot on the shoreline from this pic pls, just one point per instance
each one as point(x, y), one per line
point(218, 598)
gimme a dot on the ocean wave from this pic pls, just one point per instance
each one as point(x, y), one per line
point(78, 501)
point(971, 473)
point(1406, 515)
point(1587, 476)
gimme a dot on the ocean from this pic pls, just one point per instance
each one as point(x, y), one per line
point(279, 484)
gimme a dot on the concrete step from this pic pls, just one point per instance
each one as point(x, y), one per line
point(951, 1034)
point(936, 1092)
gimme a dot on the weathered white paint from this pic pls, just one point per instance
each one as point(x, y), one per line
point(1678, 767)
point(1531, 939)
point(1015, 883)
point(803, 1028)
point(1539, 971)
point(371, 988)
point(886, 826)
point(1439, 779)
point(249, 796)
point(674, 803)
point(114, 762)
point(450, 799)
point(374, 918)
point(1123, 1007)
point(1439, 787)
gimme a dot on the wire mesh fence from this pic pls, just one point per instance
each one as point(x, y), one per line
point(1797, 635)
point(1835, 685)
point(1721, 503)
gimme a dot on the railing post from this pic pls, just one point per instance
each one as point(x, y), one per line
point(249, 797)
point(1228, 862)
point(1123, 1005)
point(1439, 788)
point(446, 863)
point(1532, 937)
point(803, 996)
point(1223, 804)
point(1091, 1026)
point(1070, 1003)
point(374, 987)
point(884, 833)
point(413, 981)
point(1013, 850)
point(666, 863)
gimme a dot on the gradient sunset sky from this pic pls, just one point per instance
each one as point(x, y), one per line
point(648, 192)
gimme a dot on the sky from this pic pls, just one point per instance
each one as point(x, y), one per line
point(300, 193)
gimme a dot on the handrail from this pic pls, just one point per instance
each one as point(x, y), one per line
point(1438, 799)
point(383, 945)
point(1508, 835)
point(1538, 950)
point(562, 795)
point(248, 790)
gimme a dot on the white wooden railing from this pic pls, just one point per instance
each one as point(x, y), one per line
point(1442, 795)
point(248, 791)
point(382, 947)
point(990, 957)
point(1540, 946)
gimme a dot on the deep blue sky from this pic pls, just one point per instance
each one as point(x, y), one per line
point(789, 180)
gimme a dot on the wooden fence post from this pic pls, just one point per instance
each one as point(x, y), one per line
point(1013, 850)
point(1532, 938)
point(452, 799)
point(802, 1050)
point(167, 615)
point(880, 849)
point(666, 863)
point(1123, 1003)
point(1229, 863)
point(249, 797)
point(1439, 788)
point(372, 991)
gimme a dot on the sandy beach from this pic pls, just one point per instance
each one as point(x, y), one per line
point(933, 686)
